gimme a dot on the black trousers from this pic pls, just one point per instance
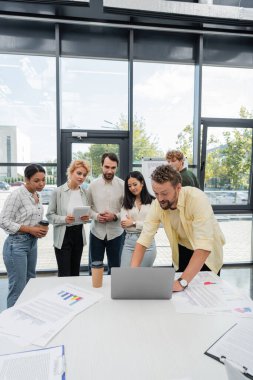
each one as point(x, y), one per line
point(185, 255)
point(113, 249)
point(69, 256)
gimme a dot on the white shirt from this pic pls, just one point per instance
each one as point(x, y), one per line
point(106, 196)
point(19, 209)
point(138, 216)
point(75, 200)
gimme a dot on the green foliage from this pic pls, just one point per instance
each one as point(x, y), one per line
point(237, 157)
point(228, 165)
point(51, 180)
point(244, 113)
point(51, 170)
point(93, 156)
point(144, 145)
point(185, 142)
point(228, 162)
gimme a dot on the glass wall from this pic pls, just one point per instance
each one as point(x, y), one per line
point(27, 109)
point(236, 250)
point(238, 234)
point(228, 165)
point(94, 94)
point(163, 108)
point(28, 131)
point(227, 92)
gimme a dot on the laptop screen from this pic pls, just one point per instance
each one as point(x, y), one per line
point(142, 283)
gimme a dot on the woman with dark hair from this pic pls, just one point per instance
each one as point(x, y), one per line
point(136, 204)
point(20, 218)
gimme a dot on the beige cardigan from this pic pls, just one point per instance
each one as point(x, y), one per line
point(57, 212)
point(198, 220)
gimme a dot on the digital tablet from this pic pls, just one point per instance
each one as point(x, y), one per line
point(80, 211)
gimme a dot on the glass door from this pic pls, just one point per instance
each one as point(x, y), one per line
point(91, 147)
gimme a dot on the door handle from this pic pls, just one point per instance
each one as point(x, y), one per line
point(202, 165)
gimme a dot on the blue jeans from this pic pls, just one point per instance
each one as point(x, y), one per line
point(113, 249)
point(20, 257)
point(128, 248)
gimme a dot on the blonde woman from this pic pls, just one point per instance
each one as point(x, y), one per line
point(69, 236)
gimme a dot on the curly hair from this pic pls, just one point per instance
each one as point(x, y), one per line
point(166, 173)
point(77, 164)
point(174, 155)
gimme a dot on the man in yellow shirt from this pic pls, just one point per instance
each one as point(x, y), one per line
point(195, 237)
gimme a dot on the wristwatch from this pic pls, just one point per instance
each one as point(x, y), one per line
point(182, 282)
point(134, 224)
point(115, 218)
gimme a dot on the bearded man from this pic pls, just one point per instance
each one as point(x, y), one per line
point(195, 237)
point(105, 196)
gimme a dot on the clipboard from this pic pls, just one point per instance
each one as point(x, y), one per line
point(54, 355)
point(234, 372)
point(237, 368)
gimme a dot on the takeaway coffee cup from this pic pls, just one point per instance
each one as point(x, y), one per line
point(97, 270)
point(44, 223)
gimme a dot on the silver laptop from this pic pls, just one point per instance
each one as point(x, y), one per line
point(142, 283)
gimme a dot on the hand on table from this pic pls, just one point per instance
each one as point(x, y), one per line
point(177, 287)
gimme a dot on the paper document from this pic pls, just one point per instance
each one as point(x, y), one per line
point(236, 346)
point(40, 319)
point(209, 294)
point(43, 364)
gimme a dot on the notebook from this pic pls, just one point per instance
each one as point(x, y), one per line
point(142, 283)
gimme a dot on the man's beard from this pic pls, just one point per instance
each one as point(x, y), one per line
point(166, 205)
point(108, 177)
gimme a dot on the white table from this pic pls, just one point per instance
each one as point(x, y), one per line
point(133, 340)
